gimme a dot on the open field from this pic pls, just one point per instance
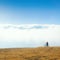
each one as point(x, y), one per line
point(41, 53)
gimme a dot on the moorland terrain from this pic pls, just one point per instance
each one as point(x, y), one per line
point(39, 53)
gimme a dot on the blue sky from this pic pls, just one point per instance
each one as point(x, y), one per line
point(30, 11)
point(29, 23)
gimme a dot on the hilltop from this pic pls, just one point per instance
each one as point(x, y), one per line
point(39, 53)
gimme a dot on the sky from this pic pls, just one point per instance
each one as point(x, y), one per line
point(29, 23)
point(30, 11)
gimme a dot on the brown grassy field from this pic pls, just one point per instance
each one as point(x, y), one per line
point(41, 53)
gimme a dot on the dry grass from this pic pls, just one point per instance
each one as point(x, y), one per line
point(42, 53)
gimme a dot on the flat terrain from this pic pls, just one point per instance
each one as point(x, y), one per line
point(40, 53)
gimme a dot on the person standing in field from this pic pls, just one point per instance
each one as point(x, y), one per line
point(47, 44)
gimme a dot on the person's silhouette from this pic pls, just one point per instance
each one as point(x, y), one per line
point(47, 44)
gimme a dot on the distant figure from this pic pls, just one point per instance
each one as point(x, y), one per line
point(47, 44)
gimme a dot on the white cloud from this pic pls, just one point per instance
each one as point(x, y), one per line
point(30, 35)
point(23, 26)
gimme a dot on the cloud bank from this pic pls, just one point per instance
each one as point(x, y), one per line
point(29, 35)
